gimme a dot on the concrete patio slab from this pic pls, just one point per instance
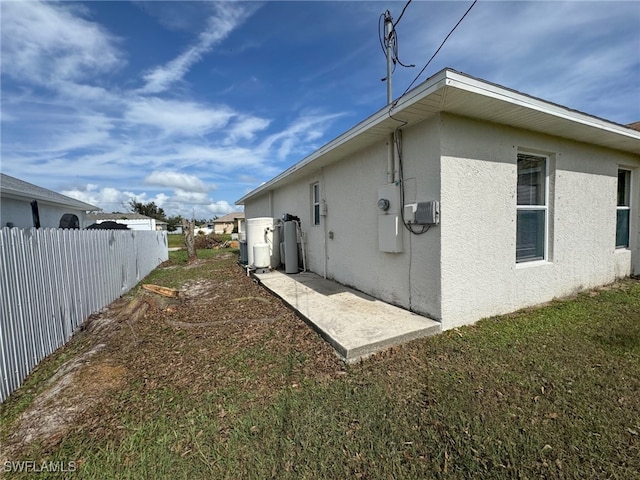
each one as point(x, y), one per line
point(355, 324)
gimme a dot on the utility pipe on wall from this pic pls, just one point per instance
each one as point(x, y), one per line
point(397, 146)
point(388, 30)
point(324, 222)
point(390, 159)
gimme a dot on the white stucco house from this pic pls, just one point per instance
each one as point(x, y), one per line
point(485, 200)
point(24, 205)
point(133, 221)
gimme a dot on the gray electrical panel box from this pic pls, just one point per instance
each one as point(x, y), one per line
point(423, 213)
point(389, 219)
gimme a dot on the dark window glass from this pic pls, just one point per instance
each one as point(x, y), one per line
point(531, 179)
point(622, 229)
point(530, 236)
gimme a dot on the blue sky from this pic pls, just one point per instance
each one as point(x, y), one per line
point(193, 104)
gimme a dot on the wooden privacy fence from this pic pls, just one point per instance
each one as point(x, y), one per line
point(51, 280)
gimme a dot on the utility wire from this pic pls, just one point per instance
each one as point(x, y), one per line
point(381, 35)
point(401, 14)
point(436, 52)
point(392, 40)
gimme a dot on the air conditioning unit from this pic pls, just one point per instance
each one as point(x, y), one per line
point(422, 213)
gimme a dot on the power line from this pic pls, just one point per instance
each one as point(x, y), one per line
point(436, 52)
point(401, 14)
point(381, 34)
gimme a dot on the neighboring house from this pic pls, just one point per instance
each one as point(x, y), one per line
point(134, 221)
point(229, 223)
point(514, 201)
point(23, 205)
point(161, 226)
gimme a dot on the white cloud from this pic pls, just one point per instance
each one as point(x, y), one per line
point(49, 43)
point(245, 128)
point(301, 134)
point(177, 117)
point(247, 179)
point(178, 180)
point(197, 198)
point(107, 198)
point(229, 17)
point(160, 199)
point(111, 199)
point(179, 202)
point(221, 158)
point(82, 131)
point(221, 208)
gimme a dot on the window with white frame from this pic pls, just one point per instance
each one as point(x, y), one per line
point(623, 213)
point(315, 203)
point(531, 225)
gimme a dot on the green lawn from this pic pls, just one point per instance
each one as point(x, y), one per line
point(175, 240)
point(552, 392)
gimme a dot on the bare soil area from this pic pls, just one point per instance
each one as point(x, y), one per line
point(145, 344)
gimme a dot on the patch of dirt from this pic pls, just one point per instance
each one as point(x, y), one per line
point(144, 344)
point(73, 390)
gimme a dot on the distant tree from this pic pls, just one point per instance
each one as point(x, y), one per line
point(174, 222)
point(149, 209)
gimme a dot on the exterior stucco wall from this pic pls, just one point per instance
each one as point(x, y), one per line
point(258, 207)
point(344, 247)
point(480, 276)
point(221, 228)
point(350, 189)
point(421, 166)
point(18, 212)
point(465, 268)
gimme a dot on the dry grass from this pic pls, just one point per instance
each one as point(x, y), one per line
point(226, 382)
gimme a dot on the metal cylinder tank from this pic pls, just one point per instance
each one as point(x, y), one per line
point(263, 230)
point(282, 253)
point(291, 247)
point(244, 255)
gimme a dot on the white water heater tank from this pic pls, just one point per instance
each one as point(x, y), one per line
point(264, 230)
point(261, 255)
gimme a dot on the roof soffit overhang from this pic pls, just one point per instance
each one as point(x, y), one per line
point(451, 92)
point(41, 199)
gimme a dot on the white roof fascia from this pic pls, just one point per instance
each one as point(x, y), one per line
point(487, 89)
point(72, 203)
point(434, 83)
point(446, 79)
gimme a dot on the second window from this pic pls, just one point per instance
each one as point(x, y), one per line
point(531, 229)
